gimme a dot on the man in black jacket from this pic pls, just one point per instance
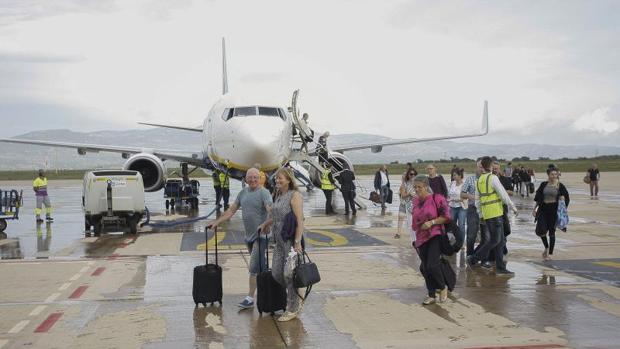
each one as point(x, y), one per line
point(347, 187)
point(382, 184)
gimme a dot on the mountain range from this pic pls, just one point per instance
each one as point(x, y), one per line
point(26, 157)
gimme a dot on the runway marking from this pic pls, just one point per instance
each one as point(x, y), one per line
point(75, 277)
point(113, 257)
point(608, 264)
point(20, 326)
point(84, 269)
point(78, 292)
point(337, 239)
point(3, 342)
point(91, 263)
point(64, 286)
point(211, 242)
point(51, 298)
point(48, 323)
point(38, 310)
point(98, 271)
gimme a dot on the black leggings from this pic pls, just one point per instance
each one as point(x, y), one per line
point(430, 266)
point(549, 219)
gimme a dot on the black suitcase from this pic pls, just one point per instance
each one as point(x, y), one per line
point(208, 278)
point(270, 295)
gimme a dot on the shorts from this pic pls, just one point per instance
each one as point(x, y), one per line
point(254, 265)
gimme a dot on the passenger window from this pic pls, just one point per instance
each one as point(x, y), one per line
point(245, 111)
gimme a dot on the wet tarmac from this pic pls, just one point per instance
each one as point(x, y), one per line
point(63, 289)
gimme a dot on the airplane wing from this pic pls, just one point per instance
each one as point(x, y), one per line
point(183, 128)
point(378, 146)
point(195, 158)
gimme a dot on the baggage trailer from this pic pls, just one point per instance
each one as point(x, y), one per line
point(113, 201)
point(178, 191)
point(10, 202)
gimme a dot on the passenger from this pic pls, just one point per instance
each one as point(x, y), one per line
point(508, 170)
point(430, 211)
point(347, 188)
point(327, 185)
point(382, 184)
point(594, 176)
point(526, 179)
point(458, 205)
point(489, 197)
point(288, 198)
point(468, 191)
point(437, 183)
point(548, 195)
point(407, 194)
point(516, 180)
point(39, 185)
point(255, 203)
point(409, 168)
point(321, 149)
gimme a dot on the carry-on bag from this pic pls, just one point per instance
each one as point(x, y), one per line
point(270, 295)
point(207, 286)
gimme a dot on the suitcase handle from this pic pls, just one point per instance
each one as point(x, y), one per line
point(207, 245)
point(260, 255)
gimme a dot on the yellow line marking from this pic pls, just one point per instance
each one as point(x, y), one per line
point(220, 237)
point(38, 310)
point(336, 239)
point(51, 298)
point(609, 264)
point(20, 326)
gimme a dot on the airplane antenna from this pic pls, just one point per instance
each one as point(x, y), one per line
point(224, 73)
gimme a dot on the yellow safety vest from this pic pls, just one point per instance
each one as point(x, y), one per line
point(224, 180)
point(262, 178)
point(490, 202)
point(326, 184)
point(40, 184)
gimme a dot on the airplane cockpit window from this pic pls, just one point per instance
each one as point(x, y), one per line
point(282, 114)
point(228, 113)
point(245, 111)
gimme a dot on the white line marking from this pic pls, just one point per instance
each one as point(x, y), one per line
point(91, 263)
point(3, 342)
point(20, 326)
point(38, 310)
point(84, 269)
point(75, 277)
point(64, 286)
point(52, 298)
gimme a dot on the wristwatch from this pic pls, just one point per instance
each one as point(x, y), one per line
point(297, 241)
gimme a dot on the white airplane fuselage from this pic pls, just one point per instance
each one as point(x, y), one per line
point(238, 142)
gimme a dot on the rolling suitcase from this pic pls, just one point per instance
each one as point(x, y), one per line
point(207, 286)
point(270, 295)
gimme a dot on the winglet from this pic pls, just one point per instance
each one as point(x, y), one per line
point(485, 118)
point(224, 73)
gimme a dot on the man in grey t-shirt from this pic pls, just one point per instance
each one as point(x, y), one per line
point(255, 202)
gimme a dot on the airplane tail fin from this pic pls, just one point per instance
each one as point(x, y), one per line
point(485, 118)
point(224, 73)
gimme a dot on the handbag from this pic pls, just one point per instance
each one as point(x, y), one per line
point(306, 273)
point(562, 221)
point(390, 196)
point(375, 197)
point(289, 226)
point(586, 179)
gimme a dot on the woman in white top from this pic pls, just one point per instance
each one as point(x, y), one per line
point(458, 206)
point(407, 194)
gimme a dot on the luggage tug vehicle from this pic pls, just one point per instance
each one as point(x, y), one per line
point(10, 202)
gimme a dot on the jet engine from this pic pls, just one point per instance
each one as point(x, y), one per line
point(152, 169)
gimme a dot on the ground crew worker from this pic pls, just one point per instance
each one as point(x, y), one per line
point(225, 183)
point(40, 189)
point(327, 185)
point(217, 186)
point(488, 200)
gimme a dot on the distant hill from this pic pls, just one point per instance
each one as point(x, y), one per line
point(24, 157)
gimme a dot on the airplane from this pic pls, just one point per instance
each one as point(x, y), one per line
point(238, 133)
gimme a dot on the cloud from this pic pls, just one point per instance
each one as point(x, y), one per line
point(12, 11)
point(31, 57)
point(599, 121)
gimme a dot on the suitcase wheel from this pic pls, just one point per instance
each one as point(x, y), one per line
point(212, 303)
point(260, 313)
point(204, 305)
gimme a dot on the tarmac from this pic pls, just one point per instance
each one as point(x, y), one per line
point(60, 288)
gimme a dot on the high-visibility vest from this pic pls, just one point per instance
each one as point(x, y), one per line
point(224, 180)
point(216, 179)
point(326, 184)
point(41, 185)
point(262, 178)
point(490, 202)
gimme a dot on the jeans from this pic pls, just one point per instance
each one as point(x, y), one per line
point(473, 225)
point(384, 194)
point(349, 196)
point(496, 243)
point(459, 216)
point(328, 201)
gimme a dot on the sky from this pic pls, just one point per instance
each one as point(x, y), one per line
point(549, 69)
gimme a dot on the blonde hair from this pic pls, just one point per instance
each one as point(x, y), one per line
point(292, 185)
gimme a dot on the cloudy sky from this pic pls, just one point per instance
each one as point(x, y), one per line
point(550, 69)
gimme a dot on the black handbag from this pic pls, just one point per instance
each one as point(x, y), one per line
point(390, 196)
point(306, 274)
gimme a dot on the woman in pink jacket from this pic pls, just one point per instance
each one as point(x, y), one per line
point(430, 212)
